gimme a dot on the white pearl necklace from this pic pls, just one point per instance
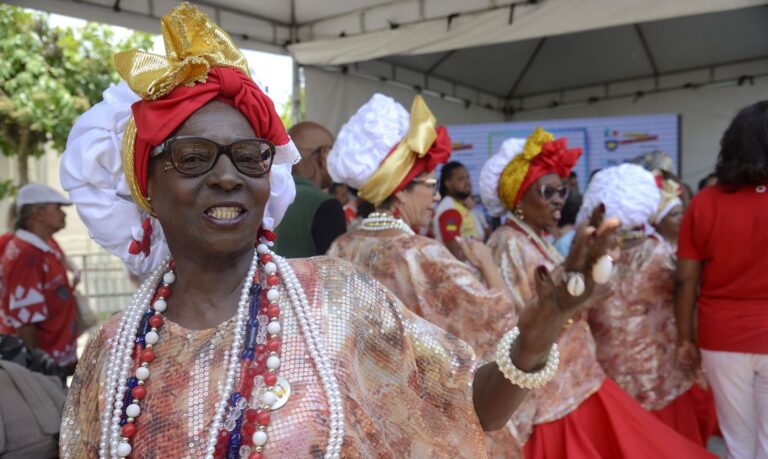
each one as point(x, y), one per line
point(380, 221)
point(120, 359)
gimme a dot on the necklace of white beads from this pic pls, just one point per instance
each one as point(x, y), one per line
point(380, 221)
point(120, 360)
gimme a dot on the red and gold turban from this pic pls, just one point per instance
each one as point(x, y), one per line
point(105, 165)
point(541, 155)
point(201, 64)
point(382, 148)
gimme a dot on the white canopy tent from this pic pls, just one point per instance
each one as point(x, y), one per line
point(491, 60)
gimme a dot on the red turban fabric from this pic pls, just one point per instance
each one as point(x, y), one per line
point(157, 119)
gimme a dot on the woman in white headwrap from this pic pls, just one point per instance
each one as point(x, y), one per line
point(580, 413)
point(635, 328)
point(420, 271)
point(228, 350)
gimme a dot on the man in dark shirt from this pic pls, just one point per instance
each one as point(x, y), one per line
point(315, 219)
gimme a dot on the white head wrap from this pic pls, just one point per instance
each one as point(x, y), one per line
point(92, 173)
point(491, 173)
point(629, 193)
point(366, 139)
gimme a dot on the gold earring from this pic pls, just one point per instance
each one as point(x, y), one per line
point(519, 213)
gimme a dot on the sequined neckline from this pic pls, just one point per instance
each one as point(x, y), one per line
point(176, 329)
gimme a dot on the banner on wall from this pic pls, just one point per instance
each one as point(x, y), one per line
point(605, 141)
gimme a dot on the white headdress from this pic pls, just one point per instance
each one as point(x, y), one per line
point(629, 193)
point(366, 139)
point(491, 173)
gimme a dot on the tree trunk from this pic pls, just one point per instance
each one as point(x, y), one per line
point(22, 154)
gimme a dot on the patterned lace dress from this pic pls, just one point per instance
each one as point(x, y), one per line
point(432, 283)
point(406, 385)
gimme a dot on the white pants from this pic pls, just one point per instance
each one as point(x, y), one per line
point(740, 384)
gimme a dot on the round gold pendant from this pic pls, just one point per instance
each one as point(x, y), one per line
point(283, 392)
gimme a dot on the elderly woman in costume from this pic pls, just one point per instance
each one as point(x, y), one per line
point(580, 413)
point(420, 271)
point(228, 350)
point(390, 156)
point(635, 328)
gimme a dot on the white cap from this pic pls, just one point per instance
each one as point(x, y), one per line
point(35, 193)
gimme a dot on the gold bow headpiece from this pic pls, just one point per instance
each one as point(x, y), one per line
point(396, 166)
point(193, 44)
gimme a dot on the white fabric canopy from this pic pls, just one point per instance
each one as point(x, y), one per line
point(546, 18)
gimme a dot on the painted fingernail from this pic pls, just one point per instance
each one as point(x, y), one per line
point(542, 272)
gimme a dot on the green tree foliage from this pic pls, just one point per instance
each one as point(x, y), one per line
point(287, 115)
point(48, 77)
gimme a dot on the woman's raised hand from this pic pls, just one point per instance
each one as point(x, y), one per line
point(556, 304)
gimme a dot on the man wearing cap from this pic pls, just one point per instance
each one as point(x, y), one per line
point(37, 301)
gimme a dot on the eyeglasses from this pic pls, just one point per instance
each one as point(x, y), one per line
point(548, 192)
point(431, 182)
point(193, 156)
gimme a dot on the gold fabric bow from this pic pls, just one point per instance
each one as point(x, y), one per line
point(193, 44)
point(395, 167)
point(514, 173)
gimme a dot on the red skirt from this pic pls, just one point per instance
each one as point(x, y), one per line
point(610, 424)
point(692, 415)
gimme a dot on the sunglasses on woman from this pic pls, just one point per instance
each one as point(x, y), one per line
point(193, 156)
point(549, 192)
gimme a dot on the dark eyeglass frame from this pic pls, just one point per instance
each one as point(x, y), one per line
point(563, 191)
point(225, 150)
point(432, 182)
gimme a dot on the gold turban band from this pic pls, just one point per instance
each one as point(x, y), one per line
point(396, 166)
point(193, 44)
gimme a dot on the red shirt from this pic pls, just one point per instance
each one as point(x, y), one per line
point(729, 233)
point(36, 291)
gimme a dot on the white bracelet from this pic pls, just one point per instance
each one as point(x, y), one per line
point(517, 376)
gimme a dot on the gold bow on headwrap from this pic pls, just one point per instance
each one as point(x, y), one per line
point(193, 44)
point(514, 174)
point(395, 167)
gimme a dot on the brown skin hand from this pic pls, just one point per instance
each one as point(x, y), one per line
point(496, 398)
point(211, 260)
point(686, 286)
point(314, 142)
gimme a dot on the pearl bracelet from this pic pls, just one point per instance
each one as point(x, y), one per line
point(517, 376)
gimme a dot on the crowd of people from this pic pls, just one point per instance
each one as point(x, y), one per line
point(312, 296)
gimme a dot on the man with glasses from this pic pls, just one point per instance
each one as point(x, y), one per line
point(315, 219)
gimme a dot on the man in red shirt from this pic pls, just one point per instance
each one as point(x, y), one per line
point(37, 301)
